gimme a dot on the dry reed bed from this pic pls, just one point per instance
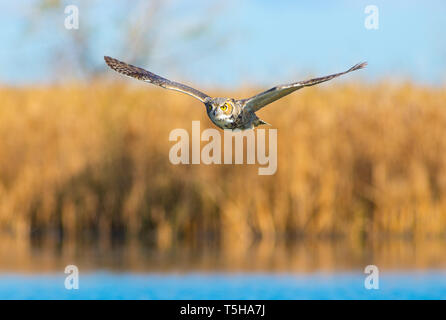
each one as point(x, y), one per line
point(353, 160)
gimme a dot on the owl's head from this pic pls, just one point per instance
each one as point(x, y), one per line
point(220, 109)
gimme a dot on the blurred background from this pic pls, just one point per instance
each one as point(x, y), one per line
point(85, 177)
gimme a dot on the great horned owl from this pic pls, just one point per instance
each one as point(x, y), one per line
point(225, 113)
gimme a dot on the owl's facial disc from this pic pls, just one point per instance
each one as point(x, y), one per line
point(224, 110)
point(220, 112)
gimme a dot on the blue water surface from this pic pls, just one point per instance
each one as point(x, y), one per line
point(108, 285)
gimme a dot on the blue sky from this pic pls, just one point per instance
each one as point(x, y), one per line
point(258, 43)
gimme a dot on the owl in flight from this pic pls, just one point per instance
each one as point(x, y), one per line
point(225, 113)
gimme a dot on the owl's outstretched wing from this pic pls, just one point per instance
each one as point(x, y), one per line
point(147, 76)
point(262, 99)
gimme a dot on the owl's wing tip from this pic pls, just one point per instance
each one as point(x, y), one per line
point(109, 59)
point(358, 66)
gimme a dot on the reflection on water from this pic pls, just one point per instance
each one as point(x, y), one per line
point(300, 269)
point(305, 255)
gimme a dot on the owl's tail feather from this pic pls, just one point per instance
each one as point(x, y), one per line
point(259, 122)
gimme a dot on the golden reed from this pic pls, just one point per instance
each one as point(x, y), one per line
point(353, 160)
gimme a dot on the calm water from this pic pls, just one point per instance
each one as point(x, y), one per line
point(107, 285)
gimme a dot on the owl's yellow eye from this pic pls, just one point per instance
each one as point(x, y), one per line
point(209, 107)
point(224, 107)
